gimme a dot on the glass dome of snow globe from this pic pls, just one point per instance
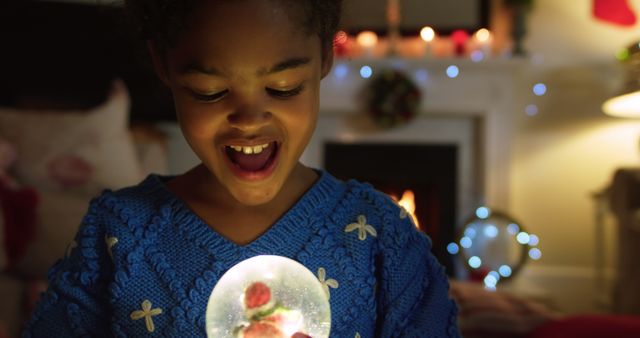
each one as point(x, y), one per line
point(268, 297)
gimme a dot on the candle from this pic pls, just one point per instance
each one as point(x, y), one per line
point(427, 34)
point(483, 39)
point(393, 22)
point(368, 41)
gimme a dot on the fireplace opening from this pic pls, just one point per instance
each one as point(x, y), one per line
point(427, 170)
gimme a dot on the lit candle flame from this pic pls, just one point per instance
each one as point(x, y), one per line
point(483, 35)
point(367, 39)
point(427, 34)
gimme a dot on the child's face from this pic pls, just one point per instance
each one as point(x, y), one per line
point(246, 74)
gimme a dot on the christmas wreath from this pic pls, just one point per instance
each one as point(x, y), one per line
point(391, 98)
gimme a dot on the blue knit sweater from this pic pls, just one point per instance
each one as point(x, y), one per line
point(143, 265)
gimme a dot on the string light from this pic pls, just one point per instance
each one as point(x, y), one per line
point(504, 270)
point(470, 232)
point(483, 212)
point(522, 238)
point(531, 110)
point(453, 248)
point(366, 72)
point(490, 281)
point(491, 231)
point(513, 228)
point(341, 71)
point(477, 56)
point(535, 253)
point(475, 262)
point(453, 71)
point(422, 75)
point(539, 89)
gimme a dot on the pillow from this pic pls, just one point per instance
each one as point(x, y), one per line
point(74, 151)
point(151, 148)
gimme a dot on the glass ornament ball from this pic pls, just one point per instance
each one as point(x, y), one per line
point(496, 240)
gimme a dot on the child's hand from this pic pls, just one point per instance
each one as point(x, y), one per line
point(300, 335)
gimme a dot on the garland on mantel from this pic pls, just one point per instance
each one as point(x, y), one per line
point(391, 98)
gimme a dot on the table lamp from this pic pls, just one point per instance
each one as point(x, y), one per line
point(627, 102)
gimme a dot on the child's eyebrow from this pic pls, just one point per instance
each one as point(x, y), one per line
point(285, 65)
point(279, 67)
point(196, 68)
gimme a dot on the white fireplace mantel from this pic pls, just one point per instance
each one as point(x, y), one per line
point(485, 91)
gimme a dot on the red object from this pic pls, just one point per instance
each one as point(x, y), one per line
point(300, 335)
point(262, 330)
point(340, 38)
point(478, 275)
point(70, 170)
point(340, 47)
point(460, 38)
point(19, 212)
point(257, 294)
point(617, 12)
point(590, 326)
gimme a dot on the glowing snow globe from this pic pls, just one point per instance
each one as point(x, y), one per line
point(268, 297)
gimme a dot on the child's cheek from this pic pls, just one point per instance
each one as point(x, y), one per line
point(200, 120)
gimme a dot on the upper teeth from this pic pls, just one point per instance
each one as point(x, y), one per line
point(250, 150)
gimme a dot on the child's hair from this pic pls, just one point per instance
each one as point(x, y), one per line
point(162, 21)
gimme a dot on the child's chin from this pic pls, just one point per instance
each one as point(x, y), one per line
point(254, 197)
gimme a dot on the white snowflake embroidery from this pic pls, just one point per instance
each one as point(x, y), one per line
point(357, 335)
point(362, 227)
point(111, 241)
point(70, 248)
point(147, 313)
point(326, 283)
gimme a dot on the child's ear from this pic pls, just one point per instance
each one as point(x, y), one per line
point(327, 61)
point(158, 61)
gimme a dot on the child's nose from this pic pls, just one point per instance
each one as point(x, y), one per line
point(249, 118)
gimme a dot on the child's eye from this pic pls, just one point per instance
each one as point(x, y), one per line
point(284, 93)
point(210, 97)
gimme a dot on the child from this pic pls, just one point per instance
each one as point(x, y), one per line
point(245, 77)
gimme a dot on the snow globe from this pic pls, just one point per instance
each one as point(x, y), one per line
point(268, 297)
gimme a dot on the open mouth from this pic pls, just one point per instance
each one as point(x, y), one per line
point(252, 159)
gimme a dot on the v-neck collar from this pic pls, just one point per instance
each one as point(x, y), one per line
point(285, 237)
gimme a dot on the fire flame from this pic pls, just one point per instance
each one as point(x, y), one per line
point(408, 203)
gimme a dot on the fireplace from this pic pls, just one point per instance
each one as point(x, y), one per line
point(428, 170)
point(469, 118)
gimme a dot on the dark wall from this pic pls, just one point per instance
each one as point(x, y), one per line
point(66, 55)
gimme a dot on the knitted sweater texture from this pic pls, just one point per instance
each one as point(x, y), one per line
point(143, 265)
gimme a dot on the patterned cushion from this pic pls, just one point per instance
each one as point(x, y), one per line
point(75, 151)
